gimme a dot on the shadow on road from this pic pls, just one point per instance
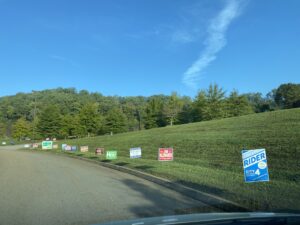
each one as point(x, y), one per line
point(202, 187)
point(144, 167)
point(121, 163)
point(161, 203)
point(105, 160)
point(220, 193)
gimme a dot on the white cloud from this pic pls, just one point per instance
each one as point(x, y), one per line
point(214, 42)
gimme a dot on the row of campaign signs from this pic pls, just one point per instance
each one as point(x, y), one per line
point(164, 154)
point(254, 161)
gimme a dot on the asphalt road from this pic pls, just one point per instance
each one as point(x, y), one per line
point(44, 188)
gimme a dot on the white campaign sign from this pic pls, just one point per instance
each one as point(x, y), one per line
point(135, 153)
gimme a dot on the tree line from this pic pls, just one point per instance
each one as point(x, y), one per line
point(68, 113)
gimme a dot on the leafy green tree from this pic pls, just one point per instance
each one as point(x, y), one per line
point(154, 112)
point(172, 108)
point(75, 108)
point(210, 104)
point(2, 125)
point(200, 105)
point(10, 111)
point(237, 105)
point(36, 135)
point(215, 99)
point(2, 129)
point(288, 96)
point(134, 109)
point(21, 129)
point(90, 120)
point(130, 112)
point(269, 103)
point(115, 121)
point(49, 124)
point(260, 103)
point(186, 113)
point(71, 126)
point(108, 103)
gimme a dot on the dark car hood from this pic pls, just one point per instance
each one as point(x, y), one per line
point(207, 217)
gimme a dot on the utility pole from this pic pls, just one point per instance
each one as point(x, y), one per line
point(34, 116)
point(139, 117)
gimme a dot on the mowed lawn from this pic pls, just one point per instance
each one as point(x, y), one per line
point(207, 156)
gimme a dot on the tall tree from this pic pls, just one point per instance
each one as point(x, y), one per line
point(172, 108)
point(71, 126)
point(134, 109)
point(260, 103)
point(2, 129)
point(21, 129)
point(269, 103)
point(237, 105)
point(154, 112)
point(288, 95)
point(199, 106)
point(130, 111)
point(115, 121)
point(186, 114)
point(210, 104)
point(90, 119)
point(49, 124)
point(215, 99)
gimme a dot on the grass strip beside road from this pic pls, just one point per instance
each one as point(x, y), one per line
point(208, 156)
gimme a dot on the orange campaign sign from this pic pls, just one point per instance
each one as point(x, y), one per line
point(165, 154)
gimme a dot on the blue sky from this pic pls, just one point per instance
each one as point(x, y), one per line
point(145, 47)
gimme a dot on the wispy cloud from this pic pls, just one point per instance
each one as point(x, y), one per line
point(57, 57)
point(215, 41)
point(182, 36)
point(64, 59)
point(144, 34)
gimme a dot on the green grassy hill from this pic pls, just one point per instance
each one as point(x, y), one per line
point(208, 156)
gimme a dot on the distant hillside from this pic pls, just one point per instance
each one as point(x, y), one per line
point(66, 112)
point(208, 156)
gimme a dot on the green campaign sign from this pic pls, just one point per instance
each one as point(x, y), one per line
point(111, 155)
point(47, 144)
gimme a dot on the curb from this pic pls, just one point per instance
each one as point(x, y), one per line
point(204, 197)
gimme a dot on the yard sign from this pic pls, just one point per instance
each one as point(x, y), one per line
point(111, 155)
point(84, 148)
point(165, 154)
point(255, 165)
point(99, 151)
point(135, 153)
point(47, 144)
point(63, 146)
point(68, 148)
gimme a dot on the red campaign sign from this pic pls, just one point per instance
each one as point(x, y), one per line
point(99, 151)
point(165, 154)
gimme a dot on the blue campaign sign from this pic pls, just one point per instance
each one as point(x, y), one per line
point(255, 165)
